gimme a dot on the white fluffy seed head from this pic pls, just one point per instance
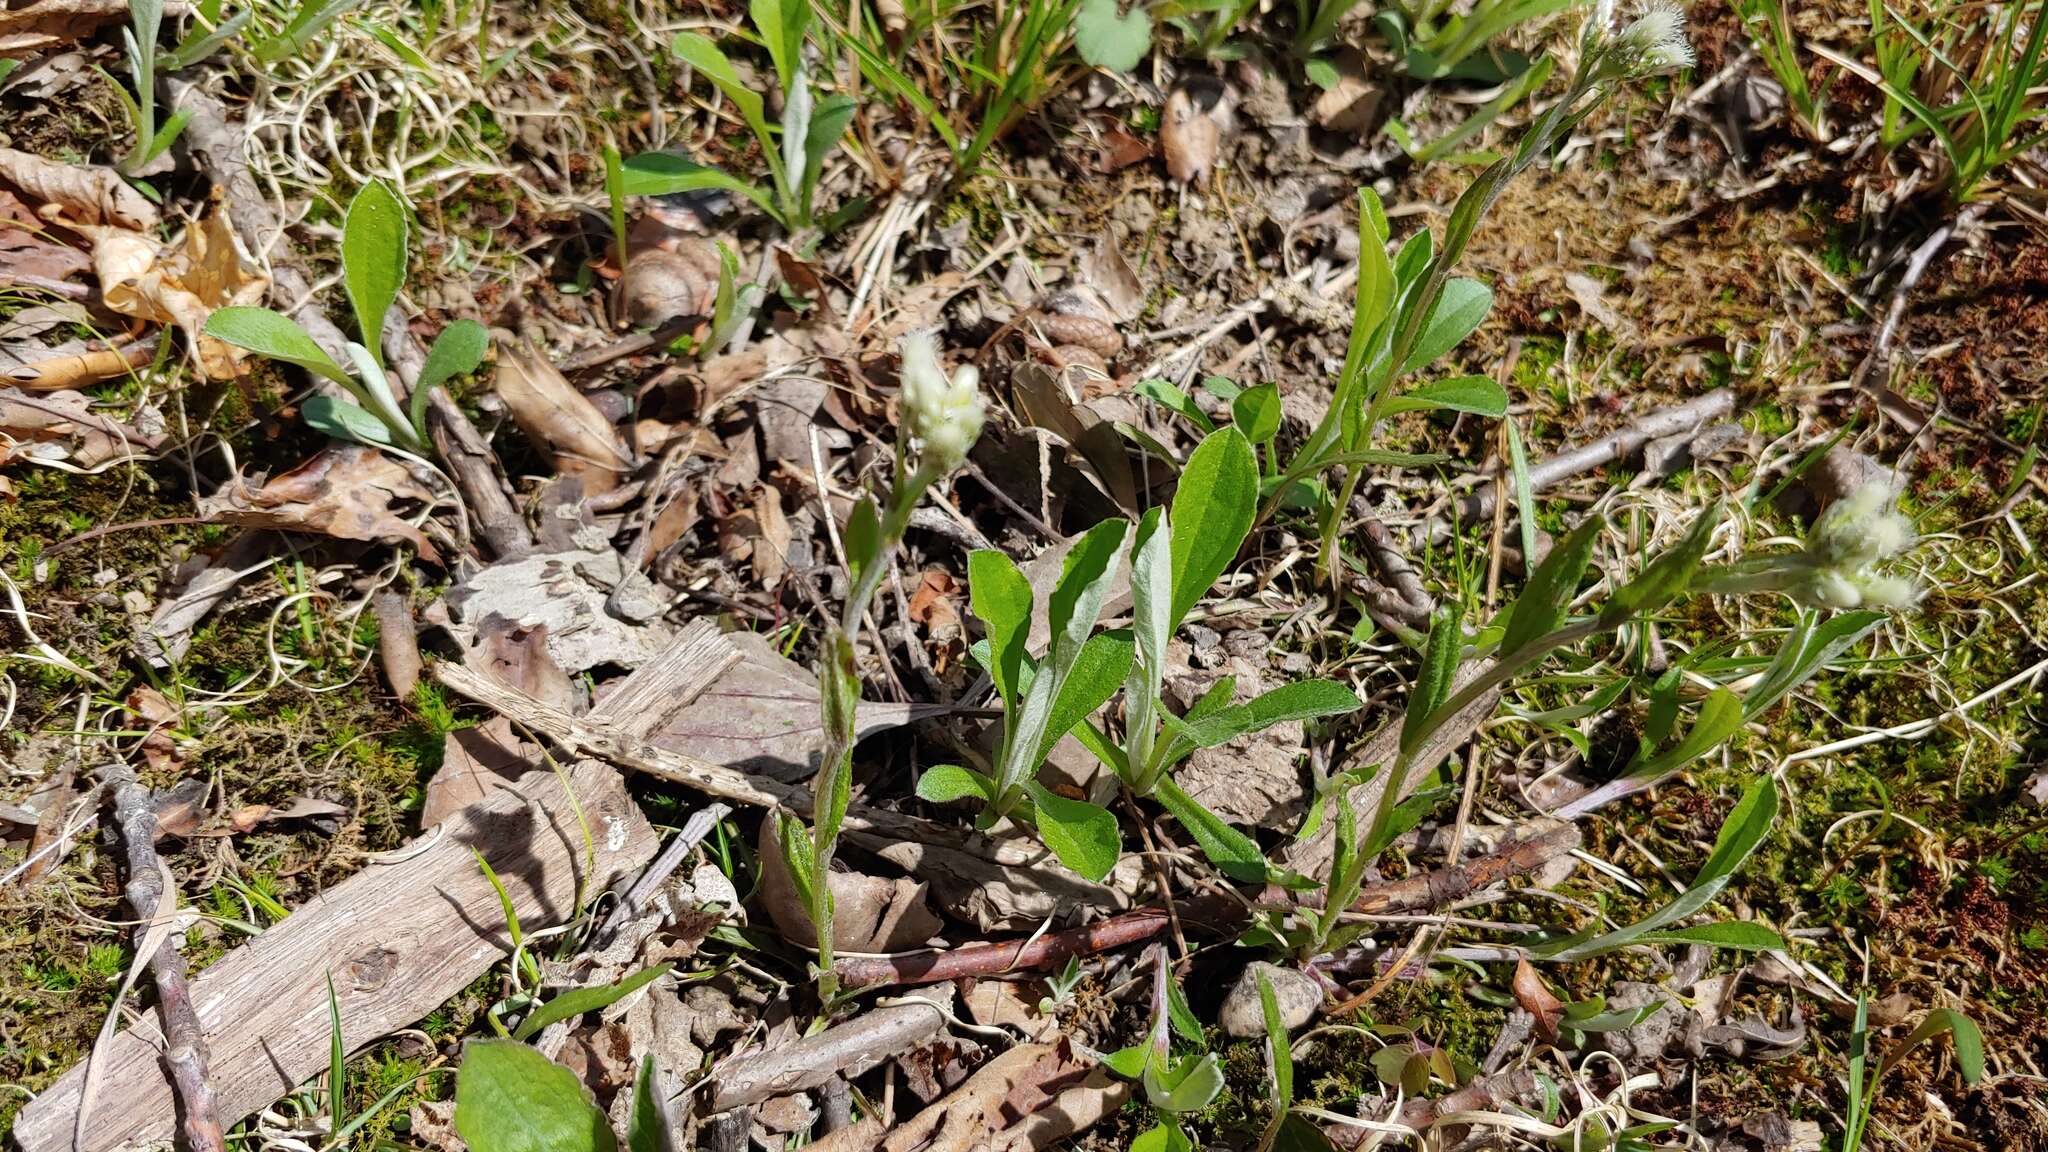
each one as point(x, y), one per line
point(1653, 42)
point(1860, 530)
point(941, 417)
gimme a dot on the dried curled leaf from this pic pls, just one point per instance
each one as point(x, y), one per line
point(346, 491)
point(1189, 137)
point(561, 421)
point(180, 283)
point(81, 194)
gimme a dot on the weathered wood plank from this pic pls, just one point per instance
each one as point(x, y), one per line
point(398, 938)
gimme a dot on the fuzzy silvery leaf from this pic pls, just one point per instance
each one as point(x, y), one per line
point(1439, 666)
point(1540, 608)
point(945, 783)
point(663, 174)
point(344, 420)
point(1479, 395)
point(1104, 662)
point(1076, 601)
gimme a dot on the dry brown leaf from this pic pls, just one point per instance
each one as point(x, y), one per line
point(1034, 1096)
point(346, 491)
point(158, 748)
point(474, 762)
point(253, 816)
point(63, 426)
point(760, 536)
point(1189, 137)
point(180, 283)
point(561, 421)
point(79, 194)
point(1537, 1000)
point(31, 261)
point(1115, 282)
point(1349, 104)
point(1120, 150)
point(43, 24)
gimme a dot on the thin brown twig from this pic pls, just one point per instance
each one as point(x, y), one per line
point(185, 1055)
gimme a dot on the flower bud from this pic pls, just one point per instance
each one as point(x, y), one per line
point(941, 418)
point(1843, 551)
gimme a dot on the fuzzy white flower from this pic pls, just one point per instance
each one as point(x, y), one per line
point(1652, 43)
point(942, 418)
point(1860, 532)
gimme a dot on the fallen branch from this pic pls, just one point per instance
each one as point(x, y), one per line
point(1221, 915)
point(1620, 444)
point(816, 1060)
point(185, 1055)
point(398, 641)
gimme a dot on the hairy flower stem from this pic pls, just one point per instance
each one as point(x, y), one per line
point(839, 678)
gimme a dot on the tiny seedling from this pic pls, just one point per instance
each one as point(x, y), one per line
point(795, 150)
point(1173, 1086)
point(373, 261)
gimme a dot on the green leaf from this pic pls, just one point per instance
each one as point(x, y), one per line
point(1151, 625)
point(663, 174)
point(795, 841)
point(1741, 935)
point(1968, 1040)
point(510, 1098)
point(1301, 700)
point(863, 539)
point(1235, 854)
point(1128, 1063)
point(1664, 578)
point(343, 420)
point(272, 335)
point(1808, 648)
point(1256, 413)
point(1458, 311)
point(1000, 597)
point(703, 55)
point(373, 258)
point(781, 24)
point(1108, 40)
point(945, 783)
point(828, 124)
point(1076, 601)
point(1279, 1053)
point(1083, 836)
point(648, 1128)
point(578, 1001)
point(337, 1059)
point(1476, 394)
point(1740, 835)
point(1174, 400)
point(1212, 512)
point(457, 351)
point(1541, 606)
point(1163, 1137)
point(1100, 670)
point(1439, 667)
point(1525, 489)
point(1189, 1086)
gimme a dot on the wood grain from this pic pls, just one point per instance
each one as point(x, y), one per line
point(399, 939)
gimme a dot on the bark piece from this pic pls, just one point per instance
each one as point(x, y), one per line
point(569, 593)
point(399, 939)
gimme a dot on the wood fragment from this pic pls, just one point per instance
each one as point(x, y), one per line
point(399, 940)
point(1033, 1097)
point(815, 1060)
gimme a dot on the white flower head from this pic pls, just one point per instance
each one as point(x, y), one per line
point(1852, 538)
point(941, 418)
point(1654, 42)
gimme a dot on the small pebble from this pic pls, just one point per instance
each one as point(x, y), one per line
point(1294, 992)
